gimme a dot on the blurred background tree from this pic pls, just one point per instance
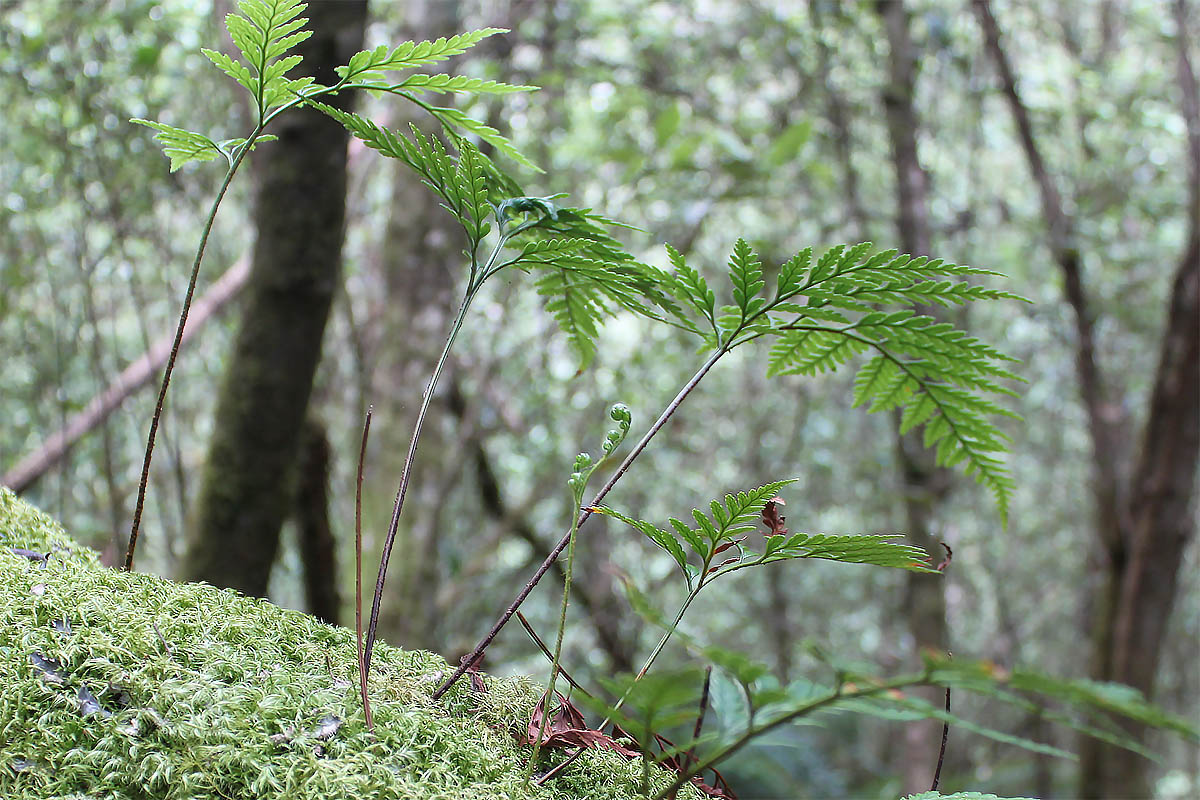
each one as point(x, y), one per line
point(919, 124)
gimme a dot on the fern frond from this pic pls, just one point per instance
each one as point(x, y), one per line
point(726, 521)
point(458, 186)
point(408, 55)
point(661, 538)
point(453, 118)
point(456, 83)
point(264, 32)
point(738, 514)
point(182, 146)
point(878, 550)
point(746, 275)
point(827, 312)
point(577, 307)
point(689, 286)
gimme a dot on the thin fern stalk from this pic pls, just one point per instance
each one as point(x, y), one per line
point(558, 642)
point(840, 693)
point(649, 662)
point(472, 289)
point(667, 413)
point(358, 631)
point(175, 345)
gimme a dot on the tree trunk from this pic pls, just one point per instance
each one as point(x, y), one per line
point(1160, 493)
point(296, 268)
point(1142, 521)
point(925, 485)
point(318, 550)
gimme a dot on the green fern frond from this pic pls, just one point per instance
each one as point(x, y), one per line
point(471, 180)
point(879, 550)
point(264, 32)
point(455, 119)
point(456, 83)
point(737, 515)
point(746, 275)
point(661, 538)
point(183, 146)
point(458, 185)
point(408, 55)
point(577, 307)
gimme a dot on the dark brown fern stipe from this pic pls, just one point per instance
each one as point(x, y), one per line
point(358, 631)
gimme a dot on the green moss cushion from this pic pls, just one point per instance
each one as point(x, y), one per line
point(116, 685)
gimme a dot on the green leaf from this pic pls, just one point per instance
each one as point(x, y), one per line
point(263, 33)
point(881, 550)
point(690, 288)
point(908, 709)
point(457, 83)
point(737, 515)
point(655, 534)
point(413, 54)
point(182, 146)
point(454, 118)
point(746, 275)
point(936, 375)
point(787, 145)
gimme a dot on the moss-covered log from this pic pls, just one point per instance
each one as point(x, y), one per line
point(119, 685)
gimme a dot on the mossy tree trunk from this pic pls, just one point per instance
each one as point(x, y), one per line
point(300, 215)
point(925, 485)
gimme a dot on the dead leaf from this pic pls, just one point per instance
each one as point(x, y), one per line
point(89, 705)
point(945, 562)
point(326, 727)
point(52, 671)
point(773, 519)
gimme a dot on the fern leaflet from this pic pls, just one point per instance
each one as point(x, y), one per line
point(264, 32)
point(368, 64)
point(182, 146)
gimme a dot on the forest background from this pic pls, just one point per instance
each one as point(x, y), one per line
point(1054, 141)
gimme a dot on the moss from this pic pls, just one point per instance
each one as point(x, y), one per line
point(201, 692)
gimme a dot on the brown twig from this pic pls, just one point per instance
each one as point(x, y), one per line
point(937, 773)
point(546, 652)
point(689, 758)
point(358, 632)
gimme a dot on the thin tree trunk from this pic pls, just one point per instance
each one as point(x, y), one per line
point(300, 214)
point(1142, 522)
point(925, 485)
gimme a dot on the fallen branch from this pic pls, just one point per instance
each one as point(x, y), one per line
point(132, 378)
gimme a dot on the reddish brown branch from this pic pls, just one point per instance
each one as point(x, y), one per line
point(358, 631)
point(133, 377)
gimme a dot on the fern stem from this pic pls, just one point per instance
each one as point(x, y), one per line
point(472, 289)
point(558, 640)
point(175, 345)
point(667, 413)
point(686, 775)
point(398, 506)
point(649, 662)
point(358, 632)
